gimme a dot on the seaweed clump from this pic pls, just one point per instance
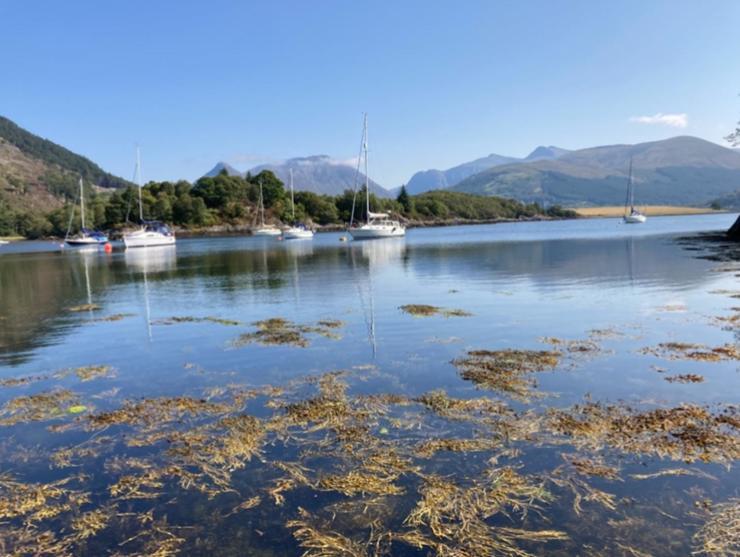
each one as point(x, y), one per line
point(84, 307)
point(720, 535)
point(452, 519)
point(277, 331)
point(88, 373)
point(190, 319)
point(685, 432)
point(38, 407)
point(685, 378)
point(696, 352)
point(506, 371)
point(424, 310)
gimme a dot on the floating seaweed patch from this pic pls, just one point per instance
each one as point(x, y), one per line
point(591, 467)
point(690, 351)
point(155, 412)
point(84, 307)
point(452, 519)
point(322, 542)
point(672, 308)
point(276, 331)
point(88, 373)
point(673, 472)
point(730, 293)
point(685, 378)
point(113, 317)
point(729, 322)
point(506, 371)
point(21, 381)
point(189, 319)
point(424, 310)
point(582, 491)
point(685, 432)
point(47, 405)
point(720, 534)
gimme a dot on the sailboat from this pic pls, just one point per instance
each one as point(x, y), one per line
point(633, 216)
point(377, 225)
point(85, 237)
point(264, 229)
point(151, 232)
point(298, 230)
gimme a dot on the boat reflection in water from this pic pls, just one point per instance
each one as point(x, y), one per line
point(151, 260)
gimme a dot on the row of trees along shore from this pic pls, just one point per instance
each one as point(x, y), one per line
point(232, 200)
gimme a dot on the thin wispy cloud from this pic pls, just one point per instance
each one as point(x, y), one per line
point(680, 120)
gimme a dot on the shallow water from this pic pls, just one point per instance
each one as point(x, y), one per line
point(639, 285)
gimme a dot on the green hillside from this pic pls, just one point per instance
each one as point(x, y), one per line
point(676, 171)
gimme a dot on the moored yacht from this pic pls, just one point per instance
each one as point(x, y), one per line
point(631, 214)
point(86, 236)
point(264, 229)
point(377, 225)
point(298, 230)
point(151, 232)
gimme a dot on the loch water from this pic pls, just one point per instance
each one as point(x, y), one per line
point(173, 322)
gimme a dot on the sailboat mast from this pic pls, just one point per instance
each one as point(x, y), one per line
point(292, 199)
point(138, 182)
point(82, 204)
point(627, 200)
point(367, 178)
point(262, 205)
point(631, 188)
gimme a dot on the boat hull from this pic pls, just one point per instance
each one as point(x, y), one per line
point(86, 241)
point(635, 219)
point(147, 239)
point(297, 234)
point(266, 232)
point(375, 232)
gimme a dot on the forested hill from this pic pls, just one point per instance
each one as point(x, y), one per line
point(38, 176)
point(54, 155)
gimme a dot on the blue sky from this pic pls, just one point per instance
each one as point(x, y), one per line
point(443, 82)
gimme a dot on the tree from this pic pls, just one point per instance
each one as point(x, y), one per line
point(273, 191)
point(405, 200)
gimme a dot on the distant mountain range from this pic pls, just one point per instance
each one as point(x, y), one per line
point(318, 173)
point(426, 180)
point(678, 171)
point(37, 174)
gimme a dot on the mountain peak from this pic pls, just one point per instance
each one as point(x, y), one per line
point(545, 153)
point(220, 167)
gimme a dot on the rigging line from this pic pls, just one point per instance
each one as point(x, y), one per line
point(357, 177)
point(71, 218)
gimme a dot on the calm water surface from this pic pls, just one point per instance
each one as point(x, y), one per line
point(520, 282)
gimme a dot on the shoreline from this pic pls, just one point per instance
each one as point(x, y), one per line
point(608, 211)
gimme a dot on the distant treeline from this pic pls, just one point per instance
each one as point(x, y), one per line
point(234, 200)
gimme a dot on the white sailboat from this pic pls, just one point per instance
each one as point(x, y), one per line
point(86, 236)
point(377, 225)
point(151, 232)
point(264, 229)
point(631, 214)
point(297, 231)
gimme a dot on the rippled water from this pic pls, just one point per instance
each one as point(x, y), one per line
point(520, 282)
